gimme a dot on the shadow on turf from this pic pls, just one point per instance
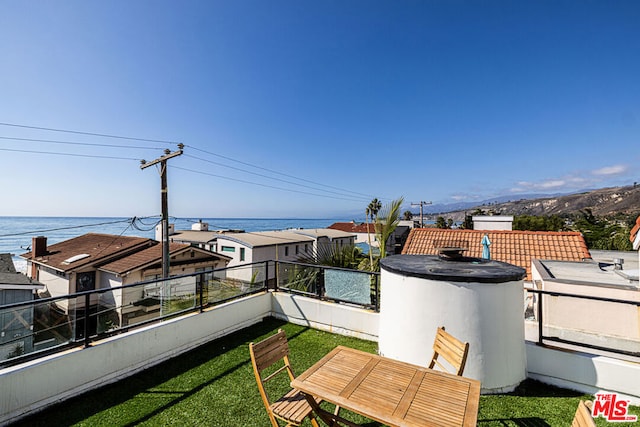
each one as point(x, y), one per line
point(111, 395)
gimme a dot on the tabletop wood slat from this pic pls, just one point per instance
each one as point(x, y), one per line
point(392, 392)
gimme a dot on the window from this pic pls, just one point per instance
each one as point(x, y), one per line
point(241, 254)
point(228, 249)
point(297, 250)
point(86, 281)
point(286, 251)
point(306, 247)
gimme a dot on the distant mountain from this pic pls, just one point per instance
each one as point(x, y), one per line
point(604, 201)
point(459, 206)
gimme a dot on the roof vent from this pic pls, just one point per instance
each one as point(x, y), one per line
point(75, 258)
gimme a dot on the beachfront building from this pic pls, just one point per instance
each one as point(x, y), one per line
point(97, 261)
point(326, 239)
point(199, 235)
point(16, 328)
point(260, 246)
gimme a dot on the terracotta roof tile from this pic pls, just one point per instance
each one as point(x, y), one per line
point(634, 230)
point(514, 247)
point(352, 227)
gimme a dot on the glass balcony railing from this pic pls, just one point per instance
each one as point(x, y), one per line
point(45, 325)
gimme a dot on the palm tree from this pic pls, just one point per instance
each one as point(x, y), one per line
point(371, 211)
point(386, 223)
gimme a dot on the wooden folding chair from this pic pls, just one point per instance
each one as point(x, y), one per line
point(450, 349)
point(291, 408)
point(583, 416)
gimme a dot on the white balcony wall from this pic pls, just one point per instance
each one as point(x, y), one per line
point(326, 316)
point(587, 373)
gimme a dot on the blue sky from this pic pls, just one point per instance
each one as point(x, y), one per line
point(311, 109)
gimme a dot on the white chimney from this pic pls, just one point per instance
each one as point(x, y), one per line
point(172, 229)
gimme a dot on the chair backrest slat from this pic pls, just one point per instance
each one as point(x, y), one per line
point(450, 349)
point(270, 350)
point(583, 416)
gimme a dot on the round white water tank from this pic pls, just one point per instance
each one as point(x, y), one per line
point(478, 301)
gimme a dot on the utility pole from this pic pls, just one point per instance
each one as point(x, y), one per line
point(421, 203)
point(165, 202)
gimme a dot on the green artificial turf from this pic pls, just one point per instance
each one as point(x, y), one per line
point(214, 385)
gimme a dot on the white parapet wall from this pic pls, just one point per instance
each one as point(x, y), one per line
point(33, 386)
point(327, 316)
point(587, 373)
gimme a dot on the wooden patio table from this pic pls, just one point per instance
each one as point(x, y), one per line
point(389, 391)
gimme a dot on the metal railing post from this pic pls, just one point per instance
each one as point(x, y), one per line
point(87, 316)
point(201, 291)
point(266, 276)
point(320, 283)
point(539, 319)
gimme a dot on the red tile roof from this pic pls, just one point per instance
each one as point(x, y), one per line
point(352, 227)
point(513, 247)
point(634, 230)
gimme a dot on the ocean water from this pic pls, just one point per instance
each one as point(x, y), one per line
point(16, 232)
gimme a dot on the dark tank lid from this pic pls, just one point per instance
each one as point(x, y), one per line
point(453, 269)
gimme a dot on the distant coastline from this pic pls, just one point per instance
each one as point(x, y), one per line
point(16, 232)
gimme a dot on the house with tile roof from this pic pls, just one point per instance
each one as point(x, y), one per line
point(94, 261)
point(394, 244)
point(360, 231)
point(514, 247)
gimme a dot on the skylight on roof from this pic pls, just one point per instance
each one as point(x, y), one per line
point(75, 258)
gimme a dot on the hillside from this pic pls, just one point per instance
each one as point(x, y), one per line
point(605, 201)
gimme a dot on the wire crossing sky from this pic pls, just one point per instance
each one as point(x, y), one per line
point(312, 109)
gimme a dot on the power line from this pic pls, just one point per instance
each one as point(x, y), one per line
point(275, 172)
point(341, 191)
point(51, 141)
point(66, 228)
point(270, 177)
point(68, 154)
point(260, 184)
point(104, 135)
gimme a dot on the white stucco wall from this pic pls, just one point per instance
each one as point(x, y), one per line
point(326, 316)
point(488, 316)
point(584, 372)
